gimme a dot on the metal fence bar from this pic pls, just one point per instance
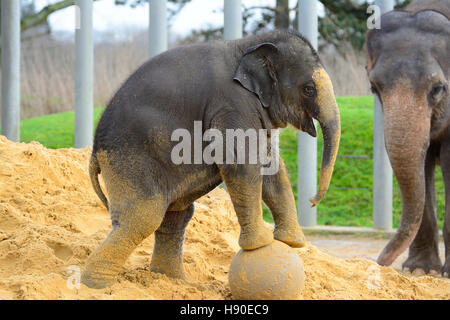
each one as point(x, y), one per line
point(10, 35)
point(382, 171)
point(307, 145)
point(84, 75)
point(232, 19)
point(157, 27)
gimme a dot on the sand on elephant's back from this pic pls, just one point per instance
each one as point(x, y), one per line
point(51, 220)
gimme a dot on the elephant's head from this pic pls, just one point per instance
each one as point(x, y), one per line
point(408, 67)
point(290, 81)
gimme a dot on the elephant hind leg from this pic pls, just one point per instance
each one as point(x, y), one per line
point(167, 255)
point(136, 220)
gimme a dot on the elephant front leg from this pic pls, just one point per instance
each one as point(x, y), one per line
point(167, 255)
point(446, 231)
point(244, 184)
point(423, 256)
point(445, 165)
point(277, 195)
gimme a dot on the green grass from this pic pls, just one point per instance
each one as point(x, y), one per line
point(349, 199)
point(53, 131)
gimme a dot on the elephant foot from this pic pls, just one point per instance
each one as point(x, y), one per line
point(446, 269)
point(258, 237)
point(425, 261)
point(292, 236)
point(100, 273)
point(96, 280)
point(171, 267)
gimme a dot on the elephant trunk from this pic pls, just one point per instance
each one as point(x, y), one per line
point(329, 120)
point(407, 131)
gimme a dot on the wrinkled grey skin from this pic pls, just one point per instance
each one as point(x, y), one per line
point(409, 68)
point(259, 82)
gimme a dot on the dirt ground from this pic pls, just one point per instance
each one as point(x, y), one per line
point(51, 220)
point(351, 247)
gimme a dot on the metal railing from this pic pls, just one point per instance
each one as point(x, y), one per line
point(307, 146)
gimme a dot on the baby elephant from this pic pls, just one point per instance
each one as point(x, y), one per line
point(260, 83)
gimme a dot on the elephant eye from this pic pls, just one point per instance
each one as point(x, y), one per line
point(373, 90)
point(309, 91)
point(437, 90)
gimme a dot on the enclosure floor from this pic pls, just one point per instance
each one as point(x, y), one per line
point(51, 220)
point(350, 247)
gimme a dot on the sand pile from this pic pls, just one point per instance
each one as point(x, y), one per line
point(51, 220)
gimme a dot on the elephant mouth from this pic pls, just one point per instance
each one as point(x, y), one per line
point(307, 124)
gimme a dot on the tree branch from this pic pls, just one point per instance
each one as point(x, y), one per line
point(41, 16)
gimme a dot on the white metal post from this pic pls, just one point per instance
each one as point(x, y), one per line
point(84, 75)
point(10, 35)
point(382, 171)
point(232, 19)
point(158, 27)
point(307, 145)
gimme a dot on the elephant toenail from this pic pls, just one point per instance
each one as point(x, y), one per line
point(418, 272)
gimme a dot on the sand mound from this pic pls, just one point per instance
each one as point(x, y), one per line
point(51, 220)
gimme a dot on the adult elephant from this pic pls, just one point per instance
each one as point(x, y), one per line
point(409, 67)
point(262, 82)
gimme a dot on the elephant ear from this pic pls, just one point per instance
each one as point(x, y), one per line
point(256, 72)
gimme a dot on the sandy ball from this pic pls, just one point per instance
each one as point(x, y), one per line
point(273, 272)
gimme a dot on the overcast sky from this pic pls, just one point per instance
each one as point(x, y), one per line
point(108, 17)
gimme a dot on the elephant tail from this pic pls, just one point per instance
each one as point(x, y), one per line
point(94, 171)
